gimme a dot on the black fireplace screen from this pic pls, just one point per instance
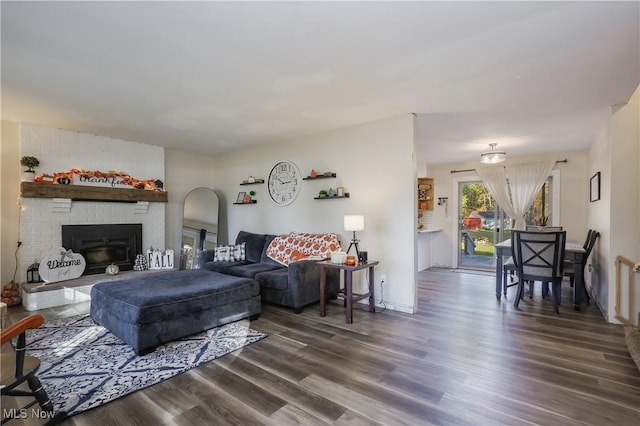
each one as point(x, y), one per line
point(102, 245)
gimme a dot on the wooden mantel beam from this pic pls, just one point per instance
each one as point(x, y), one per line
point(90, 193)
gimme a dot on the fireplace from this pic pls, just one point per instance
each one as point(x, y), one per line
point(102, 245)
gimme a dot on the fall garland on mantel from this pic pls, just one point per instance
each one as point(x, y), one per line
point(111, 179)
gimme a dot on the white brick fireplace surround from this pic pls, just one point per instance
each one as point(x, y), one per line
point(41, 219)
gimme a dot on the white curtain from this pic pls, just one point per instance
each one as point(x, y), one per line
point(495, 179)
point(515, 187)
point(525, 180)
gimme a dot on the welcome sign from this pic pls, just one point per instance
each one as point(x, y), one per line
point(66, 265)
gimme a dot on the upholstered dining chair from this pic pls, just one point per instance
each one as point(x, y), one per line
point(569, 267)
point(543, 229)
point(509, 266)
point(17, 368)
point(539, 256)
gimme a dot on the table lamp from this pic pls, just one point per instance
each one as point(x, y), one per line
point(354, 223)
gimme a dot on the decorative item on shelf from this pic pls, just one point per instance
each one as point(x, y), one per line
point(354, 223)
point(247, 198)
point(140, 263)
point(493, 156)
point(30, 163)
point(251, 179)
point(340, 191)
point(338, 257)
point(112, 269)
point(252, 193)
point(33, 276)
point(323, 193)
point(328, 174)
point(351, 261)
point(240, 197)
point(313, 173)
point(64, 265)
point(332, 192)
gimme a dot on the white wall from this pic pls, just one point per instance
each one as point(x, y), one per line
point(374, 162)
point(621, 194)
point(9, 172)
point(184, 172)
point(573, 199)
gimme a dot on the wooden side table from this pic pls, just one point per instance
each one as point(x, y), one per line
point(350, 297)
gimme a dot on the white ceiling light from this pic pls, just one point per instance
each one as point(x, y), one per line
point(493, 156)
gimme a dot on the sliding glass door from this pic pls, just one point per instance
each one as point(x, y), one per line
point(482, 223)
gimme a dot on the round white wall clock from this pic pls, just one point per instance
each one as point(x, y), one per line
point(284, 183)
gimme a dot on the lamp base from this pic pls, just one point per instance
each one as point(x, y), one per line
point(354, 244)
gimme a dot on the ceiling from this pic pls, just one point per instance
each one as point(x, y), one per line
point(212, 77)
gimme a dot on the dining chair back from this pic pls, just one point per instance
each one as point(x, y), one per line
point(533, 228)
point(539, 256)
point(509, 266)
point(569, 267)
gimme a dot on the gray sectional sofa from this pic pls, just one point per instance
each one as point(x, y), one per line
point(294, 286)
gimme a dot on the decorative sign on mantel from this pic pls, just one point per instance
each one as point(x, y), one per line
point(65, 265)
point(158, 259)
point(110, 179)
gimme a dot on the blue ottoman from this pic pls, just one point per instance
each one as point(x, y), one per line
point(153, 309)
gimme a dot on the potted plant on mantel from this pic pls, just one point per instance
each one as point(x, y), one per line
point(30, 163)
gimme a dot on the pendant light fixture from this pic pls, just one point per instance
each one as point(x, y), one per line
point(493, 156)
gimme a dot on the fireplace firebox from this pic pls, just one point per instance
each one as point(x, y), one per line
point(102, 245)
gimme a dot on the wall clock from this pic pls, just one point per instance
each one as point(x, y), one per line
point(284, 183)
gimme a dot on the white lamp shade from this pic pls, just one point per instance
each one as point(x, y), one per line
point(354, 223)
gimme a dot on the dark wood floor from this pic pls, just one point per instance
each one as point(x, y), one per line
point(463, 359)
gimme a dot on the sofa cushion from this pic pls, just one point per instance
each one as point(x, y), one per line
point(222, 266)
point(254, 245)
point(277, 279)
point(251, 269)
point(264, 258)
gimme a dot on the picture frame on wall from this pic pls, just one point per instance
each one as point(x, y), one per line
point(240, 198)
point(594, 188)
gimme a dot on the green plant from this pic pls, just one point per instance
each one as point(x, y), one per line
point(252, 193)
point(29, 162)
point(323, 193)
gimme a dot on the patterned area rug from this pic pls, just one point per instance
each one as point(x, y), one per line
point(83, 365)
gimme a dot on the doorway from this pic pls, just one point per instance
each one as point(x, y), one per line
point(481, 225)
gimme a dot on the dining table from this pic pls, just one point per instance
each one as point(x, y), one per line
point(573, 251)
